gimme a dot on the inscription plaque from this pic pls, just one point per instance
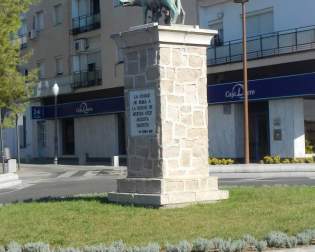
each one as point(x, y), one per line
point(142, 112)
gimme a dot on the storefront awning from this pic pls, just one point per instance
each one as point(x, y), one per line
point(79, 109)
point(300, 85)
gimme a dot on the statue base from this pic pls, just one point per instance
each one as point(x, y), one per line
point(166, 117)
point(167, 192)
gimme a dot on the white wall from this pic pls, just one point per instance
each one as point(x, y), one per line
point(225, 132)
point(10, 138)
point(287, 115)
point(288, 14)
point(97, 136)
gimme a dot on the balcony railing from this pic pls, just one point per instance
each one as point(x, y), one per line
point(44, 87)
point(85, 23)
point(266, 45)
point(87, 79)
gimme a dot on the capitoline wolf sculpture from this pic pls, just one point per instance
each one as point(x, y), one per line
point(172, 10)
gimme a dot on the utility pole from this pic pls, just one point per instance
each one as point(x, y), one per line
point(245, 83)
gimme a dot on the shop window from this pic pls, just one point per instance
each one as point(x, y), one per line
point(41, 134)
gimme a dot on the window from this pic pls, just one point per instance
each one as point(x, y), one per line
point(57, 14)
point(39, 21)
point(23, 28)
point(41, 69)
point(59, 66)
point(260, 22)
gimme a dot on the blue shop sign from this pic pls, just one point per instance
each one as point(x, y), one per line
point(264, 89)
point(79, 109)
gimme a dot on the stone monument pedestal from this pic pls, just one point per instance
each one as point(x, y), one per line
point(166, 117)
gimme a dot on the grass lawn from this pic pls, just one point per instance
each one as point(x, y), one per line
point(80, 222)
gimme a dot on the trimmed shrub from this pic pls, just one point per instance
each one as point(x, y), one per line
point(306, 237)
point(59, 249)
point(36, 247)
point(221, 161)
point(203, 245)
point(13, 247)
point(185, 246)
point(99, 248)
point(232, 246)
point(286, 161)
point(261, 246)
point(117, 246)
point(280, 240)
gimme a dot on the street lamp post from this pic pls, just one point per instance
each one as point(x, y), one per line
point(55, 90)
point(18, 148)
point(245, 80)
point(1, 142)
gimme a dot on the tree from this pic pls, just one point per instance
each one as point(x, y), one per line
point(15, 88)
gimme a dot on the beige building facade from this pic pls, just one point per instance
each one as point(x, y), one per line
point(71, 45)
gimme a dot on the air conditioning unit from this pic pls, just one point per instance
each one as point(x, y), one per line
point(33, 34)
point(81, 45)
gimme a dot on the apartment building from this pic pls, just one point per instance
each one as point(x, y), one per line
point(281, 53)
point(71, 45)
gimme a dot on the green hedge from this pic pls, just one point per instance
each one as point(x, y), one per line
point(279, 160)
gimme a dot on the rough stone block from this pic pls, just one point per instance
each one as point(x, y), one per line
point(195, 61)
point(153, 73)
point(192, 186)
point(165, 56)
point(174, 186)
point(187, 75)
point(171, 152)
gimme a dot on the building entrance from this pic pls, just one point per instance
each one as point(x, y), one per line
point(259, 130)
point(68, 137)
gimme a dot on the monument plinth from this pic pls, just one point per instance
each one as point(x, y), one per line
point(166, 117)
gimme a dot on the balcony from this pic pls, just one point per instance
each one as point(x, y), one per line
point(44, 87)
point(266, 45)
point(85, 23)
point(85, 79)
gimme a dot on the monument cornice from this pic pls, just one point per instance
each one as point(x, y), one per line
point(164, 34)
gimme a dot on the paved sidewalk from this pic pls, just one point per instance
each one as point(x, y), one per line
point(263, 171)
point(304, 249)
point(30, 172)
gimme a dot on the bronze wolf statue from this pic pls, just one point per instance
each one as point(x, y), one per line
point(172, 9)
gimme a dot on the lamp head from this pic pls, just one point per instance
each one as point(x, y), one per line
point(55, 89)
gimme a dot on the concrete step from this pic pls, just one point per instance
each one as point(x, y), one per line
point(9, 180)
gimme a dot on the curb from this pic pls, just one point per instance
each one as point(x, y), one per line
point(300, 249)
point(262, 168)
